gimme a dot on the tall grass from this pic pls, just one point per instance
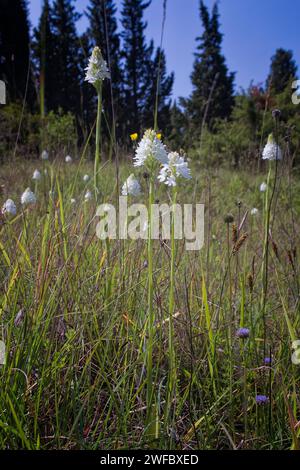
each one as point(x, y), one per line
point(75, 373)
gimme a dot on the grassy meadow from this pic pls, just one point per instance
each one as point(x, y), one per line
point(75, 316)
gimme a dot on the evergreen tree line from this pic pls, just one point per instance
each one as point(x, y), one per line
point(59, 56)
point(48, 68)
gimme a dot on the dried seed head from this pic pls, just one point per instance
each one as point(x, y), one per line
point(228, 219)
point(250, 282)
point(234, 233)
point(240, 243)
point(275, 249)
point(291, 259)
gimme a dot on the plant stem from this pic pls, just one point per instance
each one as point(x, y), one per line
point(229, 273)
point(268, 209)
point(98, 138)
point(172, 366)
point(150, 304)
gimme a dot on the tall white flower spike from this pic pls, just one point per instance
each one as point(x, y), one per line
point(150, 149)
point(176, 168)
point(272, 151)
point(97, 70)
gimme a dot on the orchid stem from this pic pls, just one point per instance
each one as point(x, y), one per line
point(150, 306)
point(172, 366)
point(98, 138)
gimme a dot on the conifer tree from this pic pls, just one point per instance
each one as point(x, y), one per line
point(158, 72)
point(137, 61)
point(176, 129)
point(15, 68)
point(44, 55)
point(282, 71)
point(67, 57)
point(212, 96)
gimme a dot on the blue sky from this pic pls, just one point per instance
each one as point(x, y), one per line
point(253, 30)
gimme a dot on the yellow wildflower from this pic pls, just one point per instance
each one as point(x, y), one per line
point(134, 136)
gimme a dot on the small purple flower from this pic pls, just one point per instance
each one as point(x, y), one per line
point(262, 399)
point(243, 333)
point(267, 361)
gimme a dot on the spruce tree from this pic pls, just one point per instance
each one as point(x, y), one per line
point(68, 81)
point(212, 96)
point(164, 90)
point(15, 68)
point(137, 62)
point(283, 70)
point(176, 129)
point(44, 55)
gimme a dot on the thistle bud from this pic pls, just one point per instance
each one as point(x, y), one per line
point(276, 113)
point(228, 219)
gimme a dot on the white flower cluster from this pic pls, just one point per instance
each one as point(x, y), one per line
point(88, 196)
point(97, 70)
point(36, 175)
point(263, 187)
point(272, 151)
point(150, 152)
point(131, 187)
point(28, 197)
point(68, 159)
point(44, 155)
point(175, 168)
point(150, 149)
point(9, 208)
